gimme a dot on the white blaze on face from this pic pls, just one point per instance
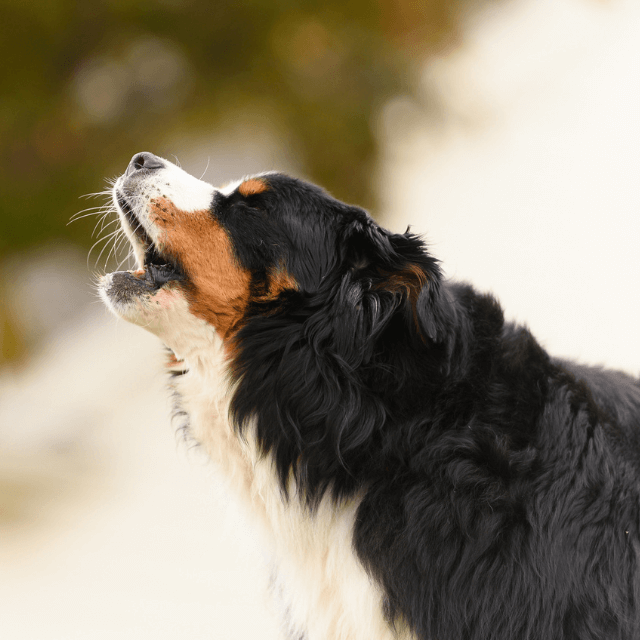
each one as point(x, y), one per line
point(170, 183)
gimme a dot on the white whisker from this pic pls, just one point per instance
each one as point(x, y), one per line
point(103, 225)
point(105, 239)
point(107, 244)
point(113, 251)
point(92, 211)
point(205, 169)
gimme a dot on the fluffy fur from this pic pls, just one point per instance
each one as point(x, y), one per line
point(425, 469)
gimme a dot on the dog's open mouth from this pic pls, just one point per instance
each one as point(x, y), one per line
point(157, 268)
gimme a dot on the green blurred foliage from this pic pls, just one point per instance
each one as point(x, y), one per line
point(84, 85)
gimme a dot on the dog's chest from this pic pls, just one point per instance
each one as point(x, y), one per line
point(318, 581)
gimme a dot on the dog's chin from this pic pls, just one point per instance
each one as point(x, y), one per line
point(138, 295)
point(163, 310)
point(141, 297)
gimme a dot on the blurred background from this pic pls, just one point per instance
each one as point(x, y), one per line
point(506, 131)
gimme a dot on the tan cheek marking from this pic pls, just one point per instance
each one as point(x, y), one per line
point(279, 281)
point(220, 286)
point(252, 187)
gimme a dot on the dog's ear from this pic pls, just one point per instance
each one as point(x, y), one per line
point(389, 274)
point(311, 388)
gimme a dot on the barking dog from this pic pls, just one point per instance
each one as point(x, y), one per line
point(424, 469)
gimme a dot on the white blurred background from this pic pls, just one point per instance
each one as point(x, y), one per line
point(523, 175)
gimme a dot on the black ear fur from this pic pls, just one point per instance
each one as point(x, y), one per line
point(389, 273)
point(318, 375)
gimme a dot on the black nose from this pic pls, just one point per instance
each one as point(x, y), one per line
point(144, 160)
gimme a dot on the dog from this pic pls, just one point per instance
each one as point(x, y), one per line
point(423, 469)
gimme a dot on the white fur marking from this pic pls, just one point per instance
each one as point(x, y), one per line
point(322, 584)
point(186, 193)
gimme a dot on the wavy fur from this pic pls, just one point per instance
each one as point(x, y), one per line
point(424, 468)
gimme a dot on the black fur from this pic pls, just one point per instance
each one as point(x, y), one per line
point(501, 486)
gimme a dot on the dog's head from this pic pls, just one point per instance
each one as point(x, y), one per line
point(326, 319)
point(211, 260)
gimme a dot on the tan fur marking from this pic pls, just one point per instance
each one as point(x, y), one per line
point(220, 286)
point(172, 360)
point(410, 283)
point(279, 280)
point(252, 186)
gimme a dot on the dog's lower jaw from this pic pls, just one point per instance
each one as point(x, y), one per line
point(165, 313)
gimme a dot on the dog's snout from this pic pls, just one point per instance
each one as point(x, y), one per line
point(144, 160)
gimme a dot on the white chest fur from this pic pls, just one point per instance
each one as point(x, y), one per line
point(324, 590)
